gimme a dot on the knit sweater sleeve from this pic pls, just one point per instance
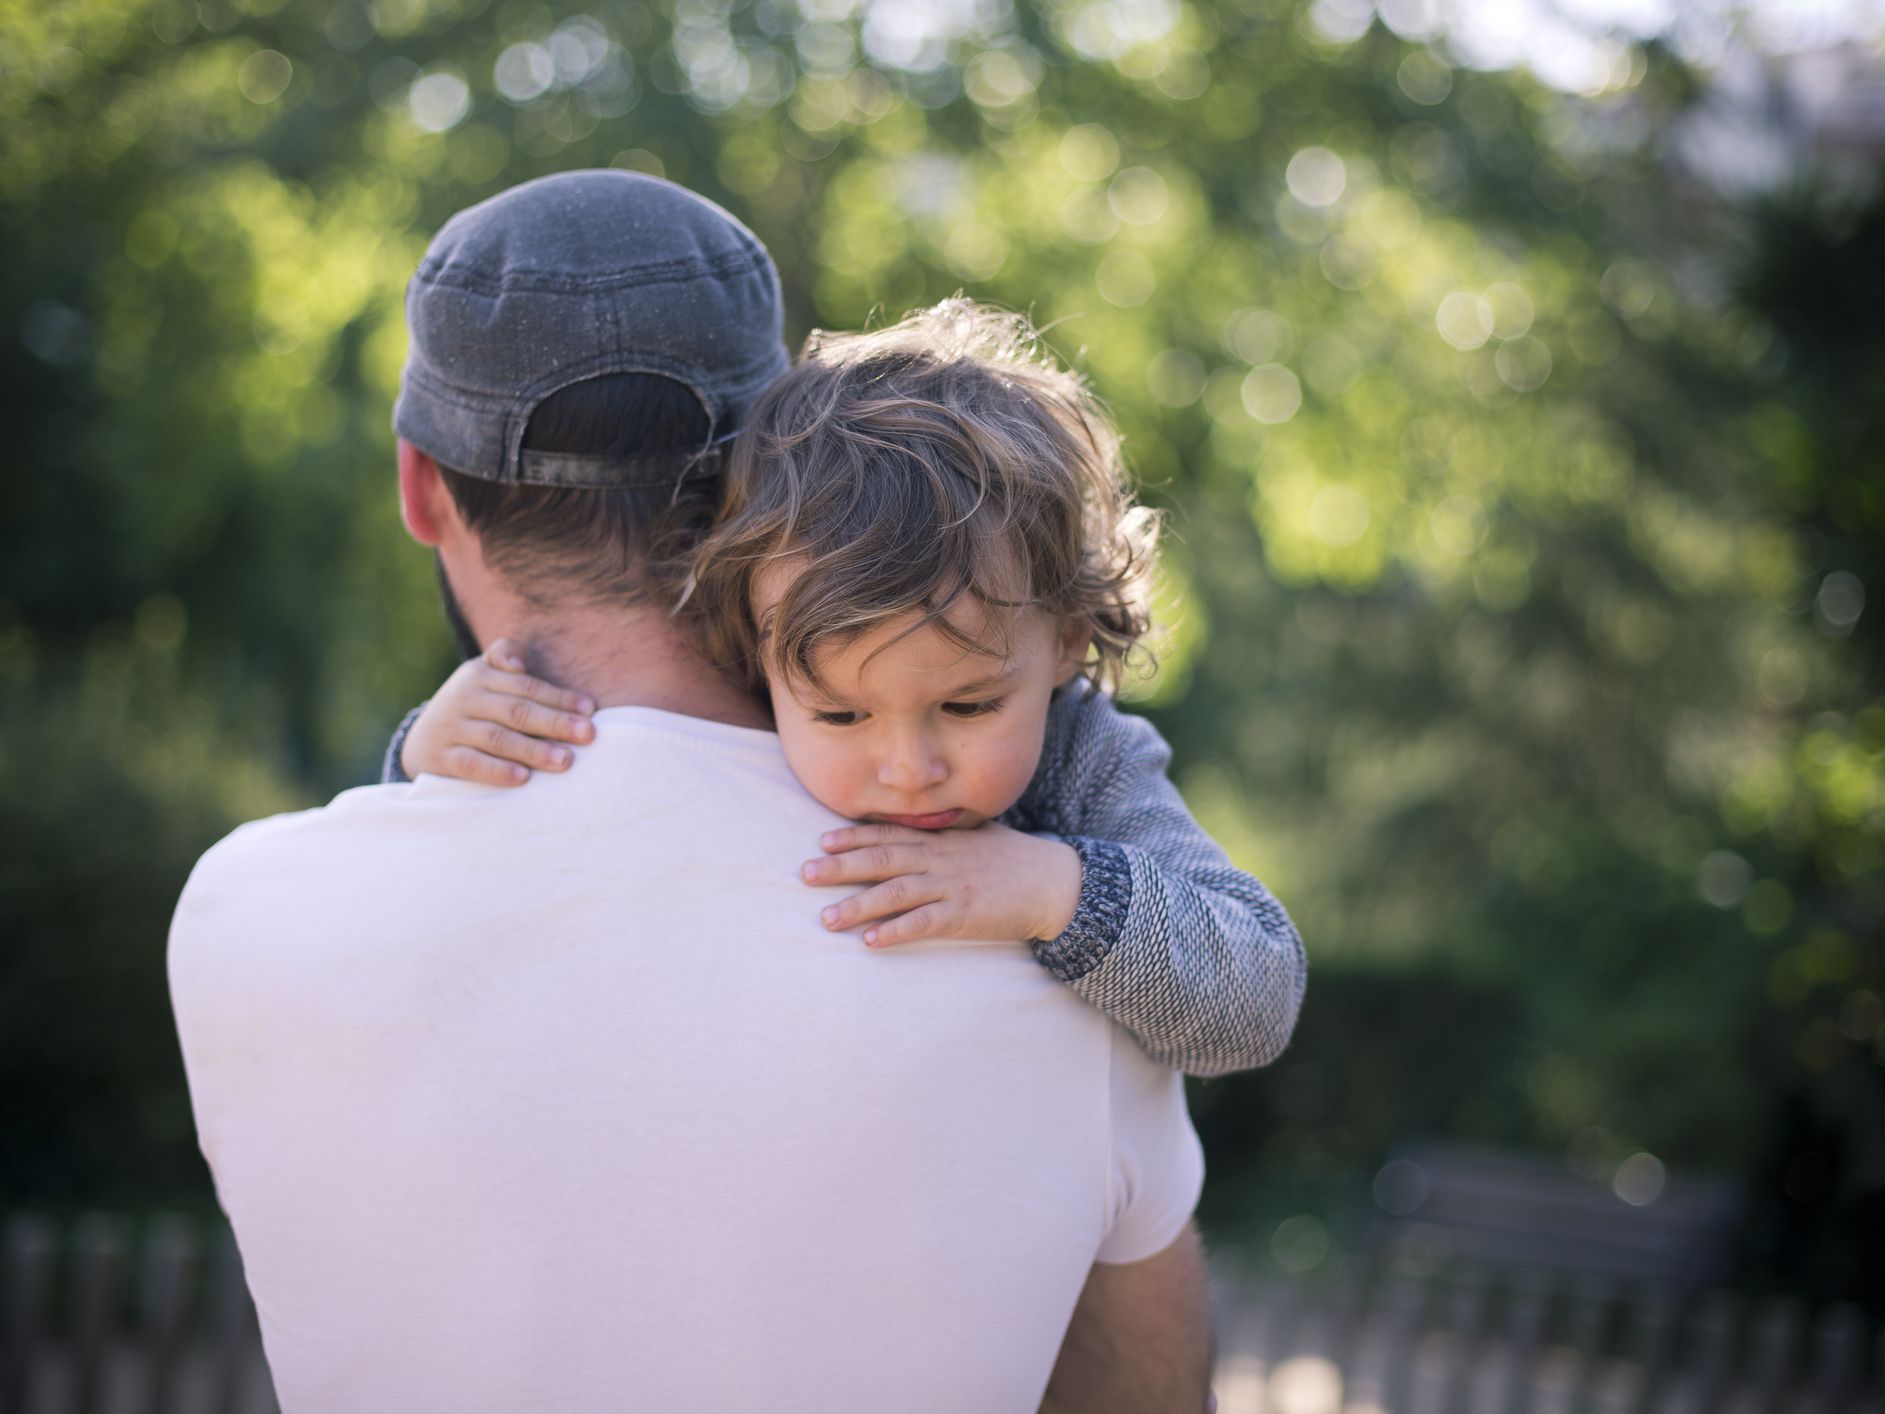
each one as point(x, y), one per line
point(1186, 951)
point(392, 771)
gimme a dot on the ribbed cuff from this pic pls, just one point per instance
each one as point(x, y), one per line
point(392, 772)
point(1100, 916)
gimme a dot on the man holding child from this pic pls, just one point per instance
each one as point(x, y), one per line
point(564, 1097)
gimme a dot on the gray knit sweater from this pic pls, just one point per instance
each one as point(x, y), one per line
point(1190, 954)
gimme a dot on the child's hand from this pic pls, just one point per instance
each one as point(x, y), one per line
point(989, 882)
point(491, 721)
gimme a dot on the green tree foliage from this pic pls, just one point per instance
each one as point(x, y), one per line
point(1523, 493)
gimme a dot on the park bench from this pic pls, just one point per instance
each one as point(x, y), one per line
point(1499, 1282)
point(1452, 1203)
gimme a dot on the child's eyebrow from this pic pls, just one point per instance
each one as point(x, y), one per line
point(995, 679)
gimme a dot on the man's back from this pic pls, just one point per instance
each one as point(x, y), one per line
point(561, 1098)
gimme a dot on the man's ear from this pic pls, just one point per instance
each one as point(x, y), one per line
point(424, 503)
point(1075, 640)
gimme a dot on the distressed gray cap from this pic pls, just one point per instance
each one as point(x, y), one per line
point(571, 277)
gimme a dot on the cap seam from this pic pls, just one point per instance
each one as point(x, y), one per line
point(541, 281)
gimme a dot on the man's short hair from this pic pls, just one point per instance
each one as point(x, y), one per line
point(617, 546)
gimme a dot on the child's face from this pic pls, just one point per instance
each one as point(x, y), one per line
point(917, 730)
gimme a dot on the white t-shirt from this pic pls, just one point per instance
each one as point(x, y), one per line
point(562, 1099)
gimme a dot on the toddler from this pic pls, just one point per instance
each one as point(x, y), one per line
point(926, 559)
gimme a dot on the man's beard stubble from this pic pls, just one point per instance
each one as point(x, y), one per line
point(468, 645)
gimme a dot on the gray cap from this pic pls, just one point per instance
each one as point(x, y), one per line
point(570, 277)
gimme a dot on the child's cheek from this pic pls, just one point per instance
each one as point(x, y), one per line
point(813, 764)
point(1006, 776)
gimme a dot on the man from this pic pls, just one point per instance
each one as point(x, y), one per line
point(561, 1098)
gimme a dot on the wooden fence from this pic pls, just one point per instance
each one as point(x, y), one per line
point(99, 1316)
point(1479, 1340)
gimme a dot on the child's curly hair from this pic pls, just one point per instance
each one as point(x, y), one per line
point(945, 456)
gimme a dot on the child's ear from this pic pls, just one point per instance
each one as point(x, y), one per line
point(1075, 640)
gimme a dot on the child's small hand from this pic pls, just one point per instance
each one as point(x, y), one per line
point(989, 882)
point(492, 721)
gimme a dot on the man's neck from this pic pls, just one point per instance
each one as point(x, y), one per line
point(620, 655)
point(628, 657)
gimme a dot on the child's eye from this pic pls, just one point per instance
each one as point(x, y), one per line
point(835, 719)
point(972, 709)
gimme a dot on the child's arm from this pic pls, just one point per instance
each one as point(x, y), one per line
point(490, 722)
point(1191, 954)
point(1167, 937)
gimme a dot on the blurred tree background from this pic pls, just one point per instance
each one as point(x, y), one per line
point(1521, 436)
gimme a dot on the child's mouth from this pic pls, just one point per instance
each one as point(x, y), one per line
point(941, 820)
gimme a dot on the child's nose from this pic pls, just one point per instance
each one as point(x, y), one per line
point(912, 765)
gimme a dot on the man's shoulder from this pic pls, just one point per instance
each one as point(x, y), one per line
point(294, 831)
point(262, 859)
